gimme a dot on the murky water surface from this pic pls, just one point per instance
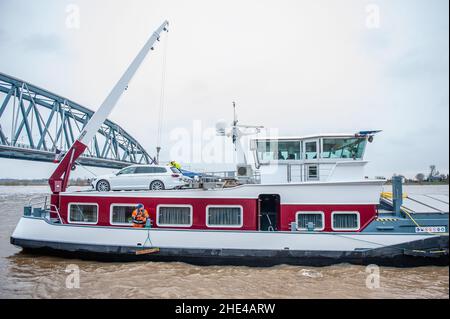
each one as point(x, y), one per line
point(27, 276)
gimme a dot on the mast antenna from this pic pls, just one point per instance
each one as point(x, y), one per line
point(240, 130)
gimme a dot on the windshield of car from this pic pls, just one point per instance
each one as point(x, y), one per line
point(175, 170)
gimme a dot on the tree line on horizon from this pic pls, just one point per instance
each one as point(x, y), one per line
point(433, 176)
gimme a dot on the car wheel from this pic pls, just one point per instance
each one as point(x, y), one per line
point(103, 186)
point(156, 186)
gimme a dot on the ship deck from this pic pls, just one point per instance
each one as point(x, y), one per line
point(424, 204)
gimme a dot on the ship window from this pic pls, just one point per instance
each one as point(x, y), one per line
point(275, 150)
point(311, 150)
point(345, 220)
point(224, 216)
point(266, 150)
point(343, 147)
point(317, 218)
point(288, 150)
point(121, 214)
point(83, 213)
point(313, 172)
point(174, 215)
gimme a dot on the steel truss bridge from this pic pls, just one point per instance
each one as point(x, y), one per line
point(35, 123)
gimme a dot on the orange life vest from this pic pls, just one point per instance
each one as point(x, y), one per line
point(139, 217)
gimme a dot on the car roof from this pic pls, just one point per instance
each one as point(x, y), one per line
point(147, 165)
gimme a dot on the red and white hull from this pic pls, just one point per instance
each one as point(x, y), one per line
point(246, 244)
point(218, 247)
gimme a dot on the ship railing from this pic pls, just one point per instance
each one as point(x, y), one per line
point(42, 207)
point(220, 176)
point(38, 200)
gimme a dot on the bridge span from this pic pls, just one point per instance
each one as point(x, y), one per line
point(35, 123)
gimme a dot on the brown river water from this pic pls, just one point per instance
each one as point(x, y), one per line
point(29, 276)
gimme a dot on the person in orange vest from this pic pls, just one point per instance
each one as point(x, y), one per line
point(139, 216)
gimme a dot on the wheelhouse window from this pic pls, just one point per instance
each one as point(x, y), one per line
point(174, 215)
point(311, 150)
point(121, 214)
point(343, 148)
point(224, 216)
point(305, 218)
point(83, 213)
point(276, 150)
point(345, 220)
point(288, 150)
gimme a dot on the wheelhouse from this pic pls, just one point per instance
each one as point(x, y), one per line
point(326, 157)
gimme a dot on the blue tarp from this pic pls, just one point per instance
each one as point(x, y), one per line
point(189, 174)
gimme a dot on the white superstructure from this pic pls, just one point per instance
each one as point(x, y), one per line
point(323, 157)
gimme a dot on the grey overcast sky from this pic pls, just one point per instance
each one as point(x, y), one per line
point(301, 66)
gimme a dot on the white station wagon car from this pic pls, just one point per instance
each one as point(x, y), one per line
point(141, 177)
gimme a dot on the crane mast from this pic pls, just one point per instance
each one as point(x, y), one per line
point(60, 177)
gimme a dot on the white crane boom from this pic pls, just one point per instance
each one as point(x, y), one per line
point(111, 100)
point(60, 177)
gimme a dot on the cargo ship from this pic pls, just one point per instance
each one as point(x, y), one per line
point(309, 205)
